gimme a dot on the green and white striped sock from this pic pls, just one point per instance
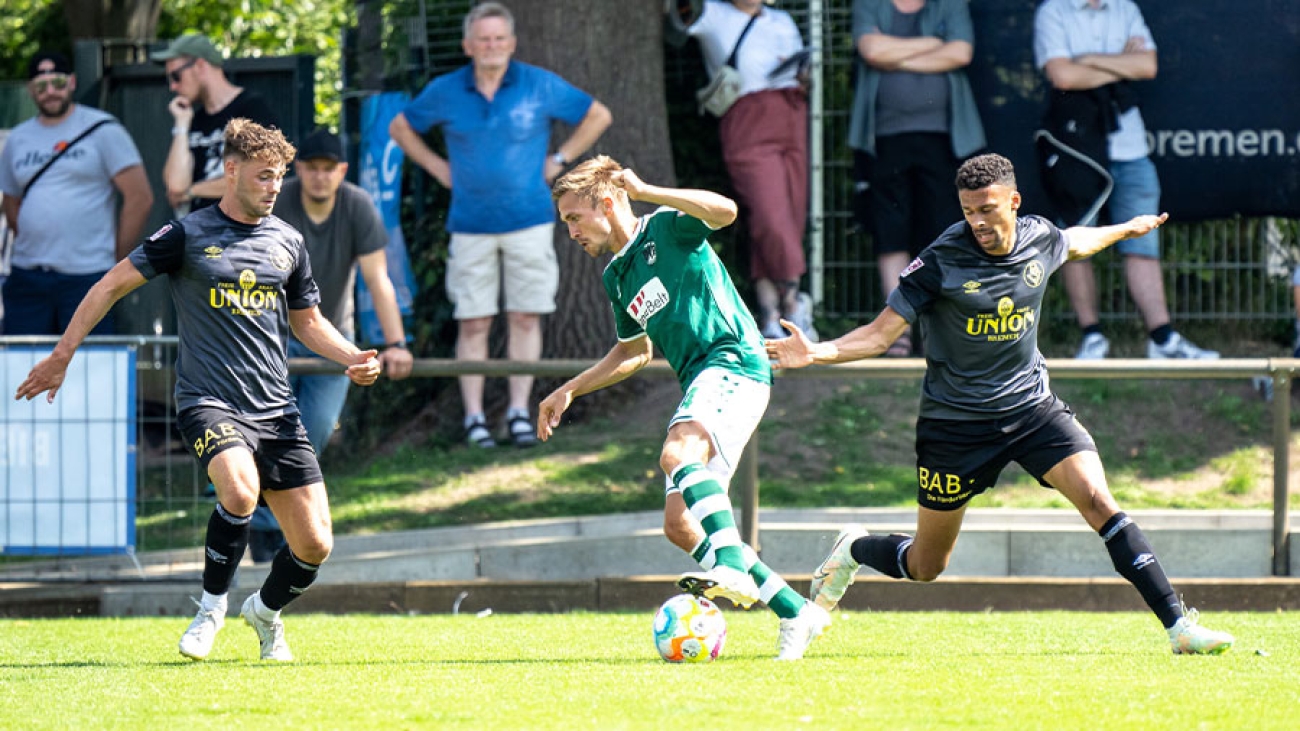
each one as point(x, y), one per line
point(773, 591)
point(708, 502)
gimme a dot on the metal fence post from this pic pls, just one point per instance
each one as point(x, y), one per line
point(747, 471)
point(1281, 472)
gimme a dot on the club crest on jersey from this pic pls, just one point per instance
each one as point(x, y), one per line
point(160, 232)
point(916, 264)
point(281, 259)
point(652, 298)
point(651, 254)
point(1034, 274)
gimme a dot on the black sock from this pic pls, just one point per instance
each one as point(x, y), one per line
point(289, 577)
point(886, 554)
point(223, 549)
point(1135, 560)
point(1093, 329)
point(1161, 335)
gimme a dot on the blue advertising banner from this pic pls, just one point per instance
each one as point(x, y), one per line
point(1222, 114)
point(381, 177)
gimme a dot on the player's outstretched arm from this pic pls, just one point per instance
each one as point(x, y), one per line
point(624, 359)
point(317, 333)
point(1085, 241)
point(866, 341)
point(48, 374)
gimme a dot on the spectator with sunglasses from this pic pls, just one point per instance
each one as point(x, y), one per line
point(205, 101)
point(67, 153)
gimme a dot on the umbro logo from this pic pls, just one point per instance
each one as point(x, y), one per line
point(217, 557)
point(971, 287)
point(1144, 560)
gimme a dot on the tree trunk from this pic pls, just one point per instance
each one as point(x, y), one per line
point(614, 51)
point(133, 20)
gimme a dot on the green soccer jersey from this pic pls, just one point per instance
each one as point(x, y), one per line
point(668, 284)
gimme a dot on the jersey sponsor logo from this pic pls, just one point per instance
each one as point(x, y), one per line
point(1009, 323)
point(916, 264)
point(245, 299)
point(652, 298)
point(213, 252)
point(160, 232)
point(1034, 274)
point(971, 287)
point(281, 259)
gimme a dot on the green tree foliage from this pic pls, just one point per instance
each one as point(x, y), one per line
point(272, 28)
point(243, 28)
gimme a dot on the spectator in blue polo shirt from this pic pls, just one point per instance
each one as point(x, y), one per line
point(495, 115)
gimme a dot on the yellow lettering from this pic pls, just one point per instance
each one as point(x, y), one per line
point(954, 484)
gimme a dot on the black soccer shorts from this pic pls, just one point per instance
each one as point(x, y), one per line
point(284, 456)
point(957, 460)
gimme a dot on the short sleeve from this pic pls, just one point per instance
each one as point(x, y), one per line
point(568, 103)
point(117, 148)
point(1050, 39)
point(162, 252)
point(368, 231)
point(865, 13)
point(300, 287)
point(919, 286)
point(423, 112)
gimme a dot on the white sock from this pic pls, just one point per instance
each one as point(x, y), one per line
point(263, 612)
point(211, 602)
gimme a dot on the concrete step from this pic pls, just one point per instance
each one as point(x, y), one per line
point(994, 543)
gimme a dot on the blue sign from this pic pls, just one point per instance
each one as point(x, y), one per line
point(381, 177)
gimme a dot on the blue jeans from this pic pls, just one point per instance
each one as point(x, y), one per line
point(41, 302)
point(320, 399)
point(1136, 193)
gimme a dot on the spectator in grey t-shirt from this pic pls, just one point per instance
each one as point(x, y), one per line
point(68, 228)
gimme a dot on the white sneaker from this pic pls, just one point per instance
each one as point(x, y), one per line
point(1189, 638)
point(836, 572)
point(197, 641)
point(722, 581)
point(269, 634)
point(1095, 346)
point(1179, 347)
point(799, 631)
point(803, 315)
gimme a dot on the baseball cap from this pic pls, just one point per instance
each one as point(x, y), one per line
point(61, 64)
point(321, 144)
point(194, 45)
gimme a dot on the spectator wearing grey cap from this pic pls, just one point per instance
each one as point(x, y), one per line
point(205, 101)
point(68, 154)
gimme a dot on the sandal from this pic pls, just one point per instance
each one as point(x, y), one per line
point(522, 432)
point(901, 348)
point(478, 435)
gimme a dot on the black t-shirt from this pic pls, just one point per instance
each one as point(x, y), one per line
point(233, 285)
point(979, 317)
point(207, 135)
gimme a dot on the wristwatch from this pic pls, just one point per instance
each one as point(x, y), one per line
point(395, 344)
point(559, 159)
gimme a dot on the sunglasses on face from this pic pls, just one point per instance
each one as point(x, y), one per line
point(175, 74)
point(58, 81)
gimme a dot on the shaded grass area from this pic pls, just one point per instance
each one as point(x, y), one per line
point(1059, 670)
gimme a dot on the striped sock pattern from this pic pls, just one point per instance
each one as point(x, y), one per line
point(708, 502)
point(772, 589)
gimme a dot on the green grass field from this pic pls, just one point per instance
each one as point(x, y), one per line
point(1047, 670)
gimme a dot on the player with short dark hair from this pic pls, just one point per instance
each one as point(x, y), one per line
point(668, 287)
point(240, 279)
point(986, 401)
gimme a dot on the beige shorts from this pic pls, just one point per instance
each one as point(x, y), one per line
point(522, 261)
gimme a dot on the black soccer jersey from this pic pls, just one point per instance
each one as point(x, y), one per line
point(233, 285)
point(979, 316)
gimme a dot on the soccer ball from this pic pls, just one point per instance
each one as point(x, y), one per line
point(689, 629)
